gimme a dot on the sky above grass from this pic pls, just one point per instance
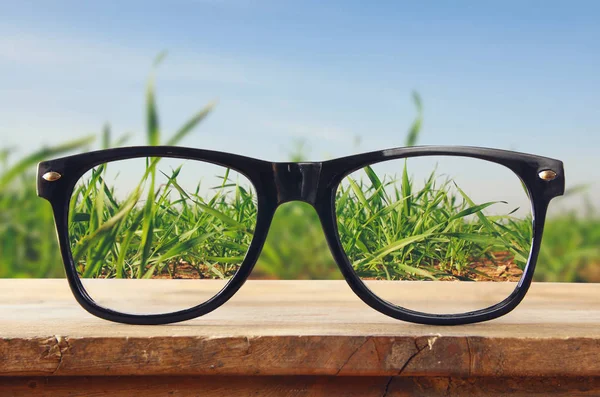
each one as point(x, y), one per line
point(519, 75)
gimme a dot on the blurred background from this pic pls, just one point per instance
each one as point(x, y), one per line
point(296, 81)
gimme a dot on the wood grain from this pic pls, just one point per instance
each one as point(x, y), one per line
point(308, 328)
point(298, 386)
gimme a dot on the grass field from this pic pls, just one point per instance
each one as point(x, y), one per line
point(390, 228)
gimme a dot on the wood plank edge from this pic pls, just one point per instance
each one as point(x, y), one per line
point(431, 355)
point(306, 386)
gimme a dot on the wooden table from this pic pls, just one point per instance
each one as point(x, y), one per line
point(298, 338)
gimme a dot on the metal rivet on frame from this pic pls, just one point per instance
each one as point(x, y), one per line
point(51, 176)
point(547, 175)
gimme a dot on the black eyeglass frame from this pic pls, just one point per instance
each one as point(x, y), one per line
point(315, 183)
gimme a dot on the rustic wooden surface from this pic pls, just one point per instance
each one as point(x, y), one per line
point(298, 386)
point(313, 330)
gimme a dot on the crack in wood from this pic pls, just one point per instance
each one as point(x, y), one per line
point(419, 350)
point(55, 347)
point(387, 386)
point(61, 350)
point(307, 355)
point(429, 343)
point(352, 355)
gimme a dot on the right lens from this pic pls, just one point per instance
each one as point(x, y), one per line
point(436, 234)
point(159, 235)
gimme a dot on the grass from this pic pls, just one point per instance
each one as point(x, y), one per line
point(160, 228)
point(391, 228)
point(28, 245)
point(571, 247)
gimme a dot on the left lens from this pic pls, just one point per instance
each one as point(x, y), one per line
point(159, 235)
point(436, 234)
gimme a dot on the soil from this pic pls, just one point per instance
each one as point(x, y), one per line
point(503, 268)
point(185, 271)
point(180, 271)
point(494, 271)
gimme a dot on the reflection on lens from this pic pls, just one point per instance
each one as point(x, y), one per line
point(405, 223)
point(159, 235)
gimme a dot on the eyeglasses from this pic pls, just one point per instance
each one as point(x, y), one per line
point(154, 235)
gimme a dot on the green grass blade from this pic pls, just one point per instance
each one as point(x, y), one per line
point(415, 129)
point(147, 226)
point(415, 270)
point(474, 237)
point(360, 195)
point(106, 227)
point(473, 209)
point(406, 190)
point(191, 124)
point(21, 166)
point(393, 247)
point(152, 124)
point(181, 248)
point(376, 183)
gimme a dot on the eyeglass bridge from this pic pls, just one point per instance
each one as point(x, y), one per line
point(296, 181)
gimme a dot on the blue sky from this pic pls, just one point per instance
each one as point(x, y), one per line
point(514, 74)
